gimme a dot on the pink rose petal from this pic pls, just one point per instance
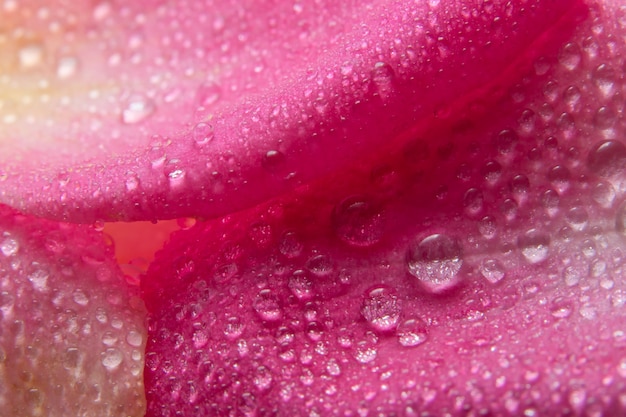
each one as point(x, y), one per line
point(72, 333)
point(149, 110)
point(479, 272)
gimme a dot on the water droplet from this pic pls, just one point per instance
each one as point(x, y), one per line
point(290, 246)
point(9, 246)
point(487, 227)
point(577, 218)
point(506, 142)
point(473, 201)
point(559, 176)
point(132, 181)
point(383, 78)
point(39, 279)
point(381, 308)
point(263, 378)
point(358, 222)
point(604, 118)
point(67, 67)
point(301, 286)
point(534, 245)
point(112, 358)
point(267, 307)
point(412, 332)
point(333, 368)
point(365, 352)
point(273, 161)
point(604, 78)
point(134, 338)
point(137, 109)
point(320, 265)
point(491, 172)
point(435, 261)
point(233, 328)
point(31, 56)
point(80, 297)
point(492, 270)
point(607, 158)
point(560, 308)
point(570, 56)
point(202, 133)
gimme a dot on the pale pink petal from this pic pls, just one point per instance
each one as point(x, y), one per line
point(72, 333)
point(149, 110)
point(479, 271)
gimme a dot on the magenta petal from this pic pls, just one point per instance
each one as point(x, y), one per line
point(150, 110)
point(72, 334)
point(493, 287)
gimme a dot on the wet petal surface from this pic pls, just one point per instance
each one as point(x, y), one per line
point(72, 334)
point(476, 271)
point(154, 110)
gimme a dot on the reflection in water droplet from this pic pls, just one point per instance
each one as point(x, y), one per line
point(492, 270)
point(137, 109)
point(435, 261)
point(412, 332)
point(381, 308)
point(607, 158)
point(534, 245)
point(357, 222)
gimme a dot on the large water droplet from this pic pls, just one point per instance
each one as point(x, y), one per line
point(534, 245)
point(358, 222)
point(381, 308)
point(412, 332)
point(607, 158)
point(435, 261)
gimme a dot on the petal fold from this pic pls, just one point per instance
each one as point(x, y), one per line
point(156, 110)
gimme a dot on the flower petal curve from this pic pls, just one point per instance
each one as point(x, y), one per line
point(247, 100)
point(495, 287)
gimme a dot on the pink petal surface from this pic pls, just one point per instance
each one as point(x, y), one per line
point(150, 110)
point(476, 271)
point(72, 334)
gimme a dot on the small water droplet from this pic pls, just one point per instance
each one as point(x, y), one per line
point(134, 338)
point(365, 353)
point(435, 261)
point(570, 56)
point(604, 78)
point(80, 297)
point(263, 378)
point(233, 328)
point(561, 308)
point(358, 222)
point(534, 245)
point(607, 158)
point(487, 227)
point(381, 308)
point(267, 307)
point(333, 368)
point(492, 270)
point(320, 265)
point(112, 358)
point(577, 218)
point(412, 332)
point(473, 201)
point(67, 67)
point(39, 279)
point(9, 246)
point(301, 286)
point(383, 78)
point(132, 181)
point(137, 109)
point(290, 245)
point(31, 56)
point(202, 133)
